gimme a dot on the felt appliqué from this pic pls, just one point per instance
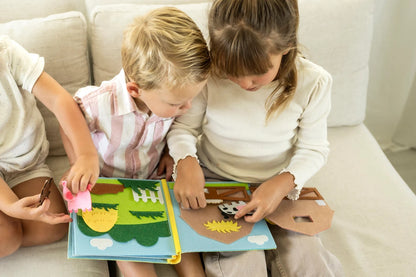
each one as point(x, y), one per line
point(125, 217)
point(144, 234)
point(223, 232)
point(153, 215)
point(102, 217)
point(143, 184)
point(223, 226)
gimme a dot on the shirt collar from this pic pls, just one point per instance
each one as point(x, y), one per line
point(124, 103)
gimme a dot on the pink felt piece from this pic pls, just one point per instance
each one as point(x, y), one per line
point(81, 200)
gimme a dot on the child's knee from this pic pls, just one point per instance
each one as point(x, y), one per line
point(45, 234)
point(54, 233)
point(11, 237)
point(59, 232)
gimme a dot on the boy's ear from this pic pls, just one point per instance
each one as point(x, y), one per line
point(133, 89)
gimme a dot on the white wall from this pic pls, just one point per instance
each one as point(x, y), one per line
point(392, 67)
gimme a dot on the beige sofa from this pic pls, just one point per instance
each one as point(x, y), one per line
point(373, 230)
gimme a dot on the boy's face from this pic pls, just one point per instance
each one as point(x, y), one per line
point(168, 102)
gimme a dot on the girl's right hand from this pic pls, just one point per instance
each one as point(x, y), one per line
point(267, 197)
point(189, 184)
point(27, 209)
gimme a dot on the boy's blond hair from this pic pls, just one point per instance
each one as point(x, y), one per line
point(164, 47)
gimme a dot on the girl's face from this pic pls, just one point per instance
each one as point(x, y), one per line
point(255, 82)
point(167, 102)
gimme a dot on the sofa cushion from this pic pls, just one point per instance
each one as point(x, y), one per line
point(338, 37)
point(62, 40)
point(27, 9)
point(50, 260)
point(373, 229)
point(107, 24)
point(91, 4)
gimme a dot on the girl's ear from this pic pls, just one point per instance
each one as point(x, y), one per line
point(285, 52)
point(133, 89)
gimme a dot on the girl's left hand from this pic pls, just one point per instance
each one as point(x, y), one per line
point(267, 197)
point(84, 171)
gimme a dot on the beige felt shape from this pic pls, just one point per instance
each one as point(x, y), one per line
point(308, 215)
point(203, 221)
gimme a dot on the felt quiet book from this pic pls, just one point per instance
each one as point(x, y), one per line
point(140, 220)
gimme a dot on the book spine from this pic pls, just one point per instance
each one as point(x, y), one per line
point(175, 259)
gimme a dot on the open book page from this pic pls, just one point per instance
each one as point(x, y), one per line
point(208, 229)
point(128, 221)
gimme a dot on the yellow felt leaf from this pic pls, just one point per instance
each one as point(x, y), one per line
point(223, 226)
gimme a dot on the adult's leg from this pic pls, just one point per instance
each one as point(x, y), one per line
point(300, 255)
point(35, 232)
point(235, 264)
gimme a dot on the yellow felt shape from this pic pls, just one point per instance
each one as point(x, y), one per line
point(223, 226)
point(100, 219)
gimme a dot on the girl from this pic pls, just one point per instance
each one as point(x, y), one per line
point(24, 219)
point(261, 120)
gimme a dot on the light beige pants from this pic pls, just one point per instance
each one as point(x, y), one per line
point(300, 255)
point(228, 264)
point(296, 255)
point(15, 178)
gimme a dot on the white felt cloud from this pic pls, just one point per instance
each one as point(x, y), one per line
point(101, 244)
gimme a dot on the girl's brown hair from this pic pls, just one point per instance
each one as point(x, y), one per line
point(243, 35)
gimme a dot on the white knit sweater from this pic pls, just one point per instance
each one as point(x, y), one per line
point(236, 142)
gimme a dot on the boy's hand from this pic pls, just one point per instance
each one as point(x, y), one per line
point(165, 166)
point(267, 197)
point(84, 171)
point(189, 185)
point(27, 208)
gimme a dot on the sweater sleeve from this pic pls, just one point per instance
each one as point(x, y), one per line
point(182, 137)
point(311, 146)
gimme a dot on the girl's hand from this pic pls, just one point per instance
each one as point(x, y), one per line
point(189, 185)
point(165, 166)
point(26, 208)
point(267, 197)
point(84, 171)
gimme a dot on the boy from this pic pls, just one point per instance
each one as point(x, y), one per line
point(165, 63)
